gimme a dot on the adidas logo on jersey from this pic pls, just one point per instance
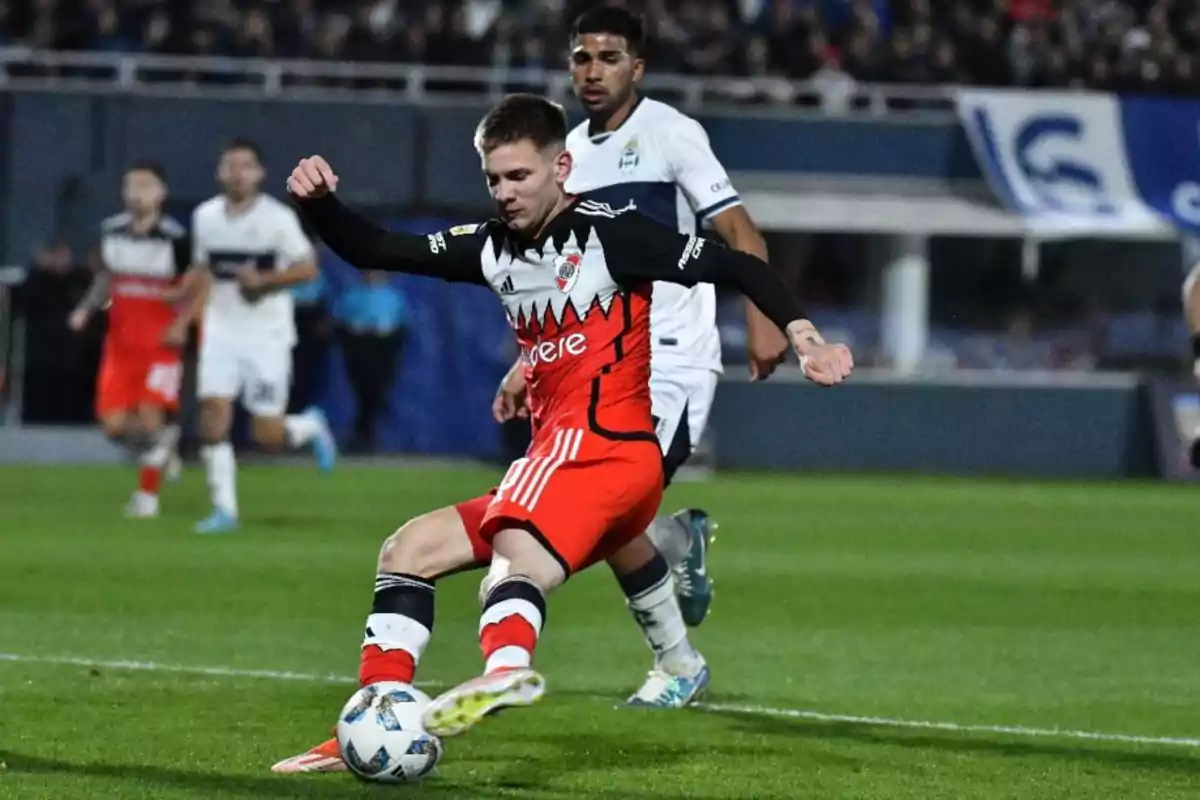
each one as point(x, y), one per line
point(507, 287)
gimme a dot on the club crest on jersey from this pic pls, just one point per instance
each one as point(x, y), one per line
point(629, 156)
point(566, 271)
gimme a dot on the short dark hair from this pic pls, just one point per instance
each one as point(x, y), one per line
point(519, 117)
point(616, 21)
point(147, 165)
point(243, 143)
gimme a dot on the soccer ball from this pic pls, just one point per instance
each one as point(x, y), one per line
point(381, 737)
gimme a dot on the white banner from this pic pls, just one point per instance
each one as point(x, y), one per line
point(1058, 159)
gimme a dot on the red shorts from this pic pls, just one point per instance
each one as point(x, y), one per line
point(582, 495)
point(129, 380)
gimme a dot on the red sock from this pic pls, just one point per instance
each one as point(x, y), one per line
point(508, 644)
point(149, 478)
point(379, 665)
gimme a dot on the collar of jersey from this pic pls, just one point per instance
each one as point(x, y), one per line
point(603, 136)
point(558, 231)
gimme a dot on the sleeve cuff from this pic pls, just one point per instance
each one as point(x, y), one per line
point(719, 206)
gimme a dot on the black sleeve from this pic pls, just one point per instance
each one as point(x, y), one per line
point(639, 249)
point(452, 255)
point(182, 250)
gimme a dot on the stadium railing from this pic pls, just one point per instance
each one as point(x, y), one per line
point(47, 70)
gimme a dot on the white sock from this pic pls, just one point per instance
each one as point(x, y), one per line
point(221, 467)
point(672, 538)
point(657, 612)
point(301, 428)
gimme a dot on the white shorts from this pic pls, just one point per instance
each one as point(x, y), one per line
point(681, 399)
point(259, 374)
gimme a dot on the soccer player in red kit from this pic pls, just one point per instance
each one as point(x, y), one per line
point(142, 254)
point(575, 279)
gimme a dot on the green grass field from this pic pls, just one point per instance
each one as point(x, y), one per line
point(1046, 607)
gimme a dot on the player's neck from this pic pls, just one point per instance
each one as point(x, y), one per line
point(616, 119)
point(145, 223)
point(240, 206)
point(563, 203)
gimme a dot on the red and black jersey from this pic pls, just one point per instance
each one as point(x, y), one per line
point(578, 296)
point(142, 267)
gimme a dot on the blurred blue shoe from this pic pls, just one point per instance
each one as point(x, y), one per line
point(664, 690)
point(324, 447)
point(219, 521)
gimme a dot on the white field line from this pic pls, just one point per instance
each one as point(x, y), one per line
point(790, 713)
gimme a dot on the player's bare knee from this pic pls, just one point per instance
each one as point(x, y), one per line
point(215, 419)
point(530, 558)
point(422, 547)
point(150, 420)
point(115, 427)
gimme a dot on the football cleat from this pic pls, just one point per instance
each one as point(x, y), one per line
point(325, 757)
point(664, 690)
point(324, 446)
point(465, 706)
point(692, 584)
point(142, 505)
point(219, 521)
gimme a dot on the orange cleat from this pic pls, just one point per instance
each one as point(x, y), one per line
point(325, 757)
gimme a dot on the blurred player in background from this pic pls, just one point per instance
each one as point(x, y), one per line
point(1191, 312)
point(142, 253)
point(640, 153)
point(248, 248)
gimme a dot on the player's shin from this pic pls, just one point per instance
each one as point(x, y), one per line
point(398, 628)
point(652, 601)
point(153, 459)
point(221, 468)
point(514, 612)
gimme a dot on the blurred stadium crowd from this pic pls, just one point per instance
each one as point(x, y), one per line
point(1117, 45)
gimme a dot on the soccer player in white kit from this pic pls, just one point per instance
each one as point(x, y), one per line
point(249, 248)
point(634, 152)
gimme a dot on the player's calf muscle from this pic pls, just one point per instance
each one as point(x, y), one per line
point(428, 546)
point(269, 433)
point(633, 556)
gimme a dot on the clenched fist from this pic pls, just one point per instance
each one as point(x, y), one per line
point(312, 178)
point(823, 364)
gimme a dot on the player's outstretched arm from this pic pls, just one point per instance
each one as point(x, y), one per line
point(639, 249)
point(97, 295)
point(452, 255)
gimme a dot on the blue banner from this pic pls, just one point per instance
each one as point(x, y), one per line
point(1081, 163)
point(1162, 143)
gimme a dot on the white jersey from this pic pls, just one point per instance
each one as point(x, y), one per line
point(267, 236)
point(660, 162)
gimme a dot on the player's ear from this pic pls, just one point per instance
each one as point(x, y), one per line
point(562, 166)
point(639, 69)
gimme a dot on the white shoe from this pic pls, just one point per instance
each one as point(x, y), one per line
point(664, 690)
point(174, 469)
point(142, 506)
point(465, 706)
